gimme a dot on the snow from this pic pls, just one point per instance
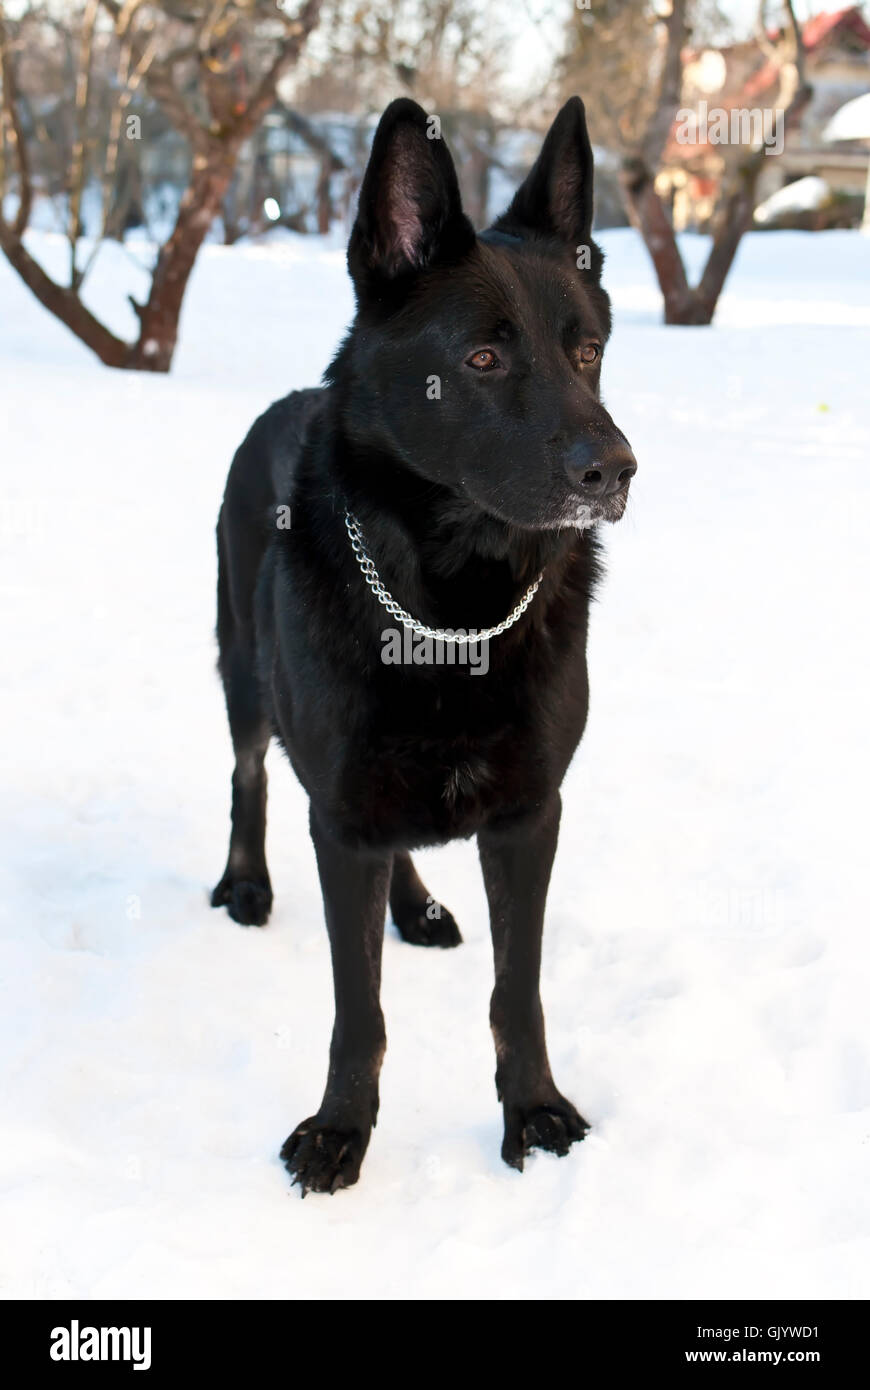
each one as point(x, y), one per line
point(705, 970)
point(851, 122)
point(804, 195)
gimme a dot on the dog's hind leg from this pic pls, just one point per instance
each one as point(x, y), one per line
point(244, 888)
point(418, 917)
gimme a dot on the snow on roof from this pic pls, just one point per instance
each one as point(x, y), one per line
point(851, 122)
point(805, 195)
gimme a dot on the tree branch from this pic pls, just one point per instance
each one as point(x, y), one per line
point(78, 165)
point(12, 118)
point(160, 79)
point(63, 303)
point(312, 138)
point(289, 50)
point(671, 86)
point(767, 45)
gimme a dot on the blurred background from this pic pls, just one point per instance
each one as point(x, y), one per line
point(171, 124)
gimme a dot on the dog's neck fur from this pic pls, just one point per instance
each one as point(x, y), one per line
point(443, 557)
point(391, 500)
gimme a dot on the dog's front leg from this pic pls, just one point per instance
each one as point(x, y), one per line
point(516, 861)
point(325, 1152)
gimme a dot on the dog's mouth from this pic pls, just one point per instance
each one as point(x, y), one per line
point(581, 514)
point(567, 510)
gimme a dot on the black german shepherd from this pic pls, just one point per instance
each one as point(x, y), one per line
point(445, 477)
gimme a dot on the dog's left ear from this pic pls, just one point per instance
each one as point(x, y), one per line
point(410, 214)
point(555, 199)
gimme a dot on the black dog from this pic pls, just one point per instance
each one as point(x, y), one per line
point(458, 454)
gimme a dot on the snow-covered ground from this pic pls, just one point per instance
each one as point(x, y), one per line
point(706, 956)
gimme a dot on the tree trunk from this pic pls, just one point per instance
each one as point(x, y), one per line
point(324, 200)
point(647, 213)
point(683, 303)
point(736, 218)
point(159, 316)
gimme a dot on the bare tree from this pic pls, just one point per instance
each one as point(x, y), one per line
point(213, 68)
point(447, 54)
point(640, 114)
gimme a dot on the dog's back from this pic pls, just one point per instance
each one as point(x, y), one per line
point(260, 480)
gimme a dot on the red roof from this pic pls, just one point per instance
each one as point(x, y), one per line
point(762, 79)
point(815, 33)
point(821, 26)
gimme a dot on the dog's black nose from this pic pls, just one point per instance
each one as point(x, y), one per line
point(599, 470)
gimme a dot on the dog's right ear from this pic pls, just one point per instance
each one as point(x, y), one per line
point(410, 213)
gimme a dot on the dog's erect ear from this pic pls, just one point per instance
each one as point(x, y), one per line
point(410, 212)
point(556, 197)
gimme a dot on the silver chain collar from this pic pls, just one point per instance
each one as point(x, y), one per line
point(373, 579)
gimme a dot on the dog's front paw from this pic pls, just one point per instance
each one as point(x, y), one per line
point(247, 900)
point(321, 1158)
point(554, 1126)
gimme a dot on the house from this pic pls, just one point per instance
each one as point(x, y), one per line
point(743, 78)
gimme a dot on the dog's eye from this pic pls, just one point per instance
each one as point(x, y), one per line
point(589, 354)
point(484, 360)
